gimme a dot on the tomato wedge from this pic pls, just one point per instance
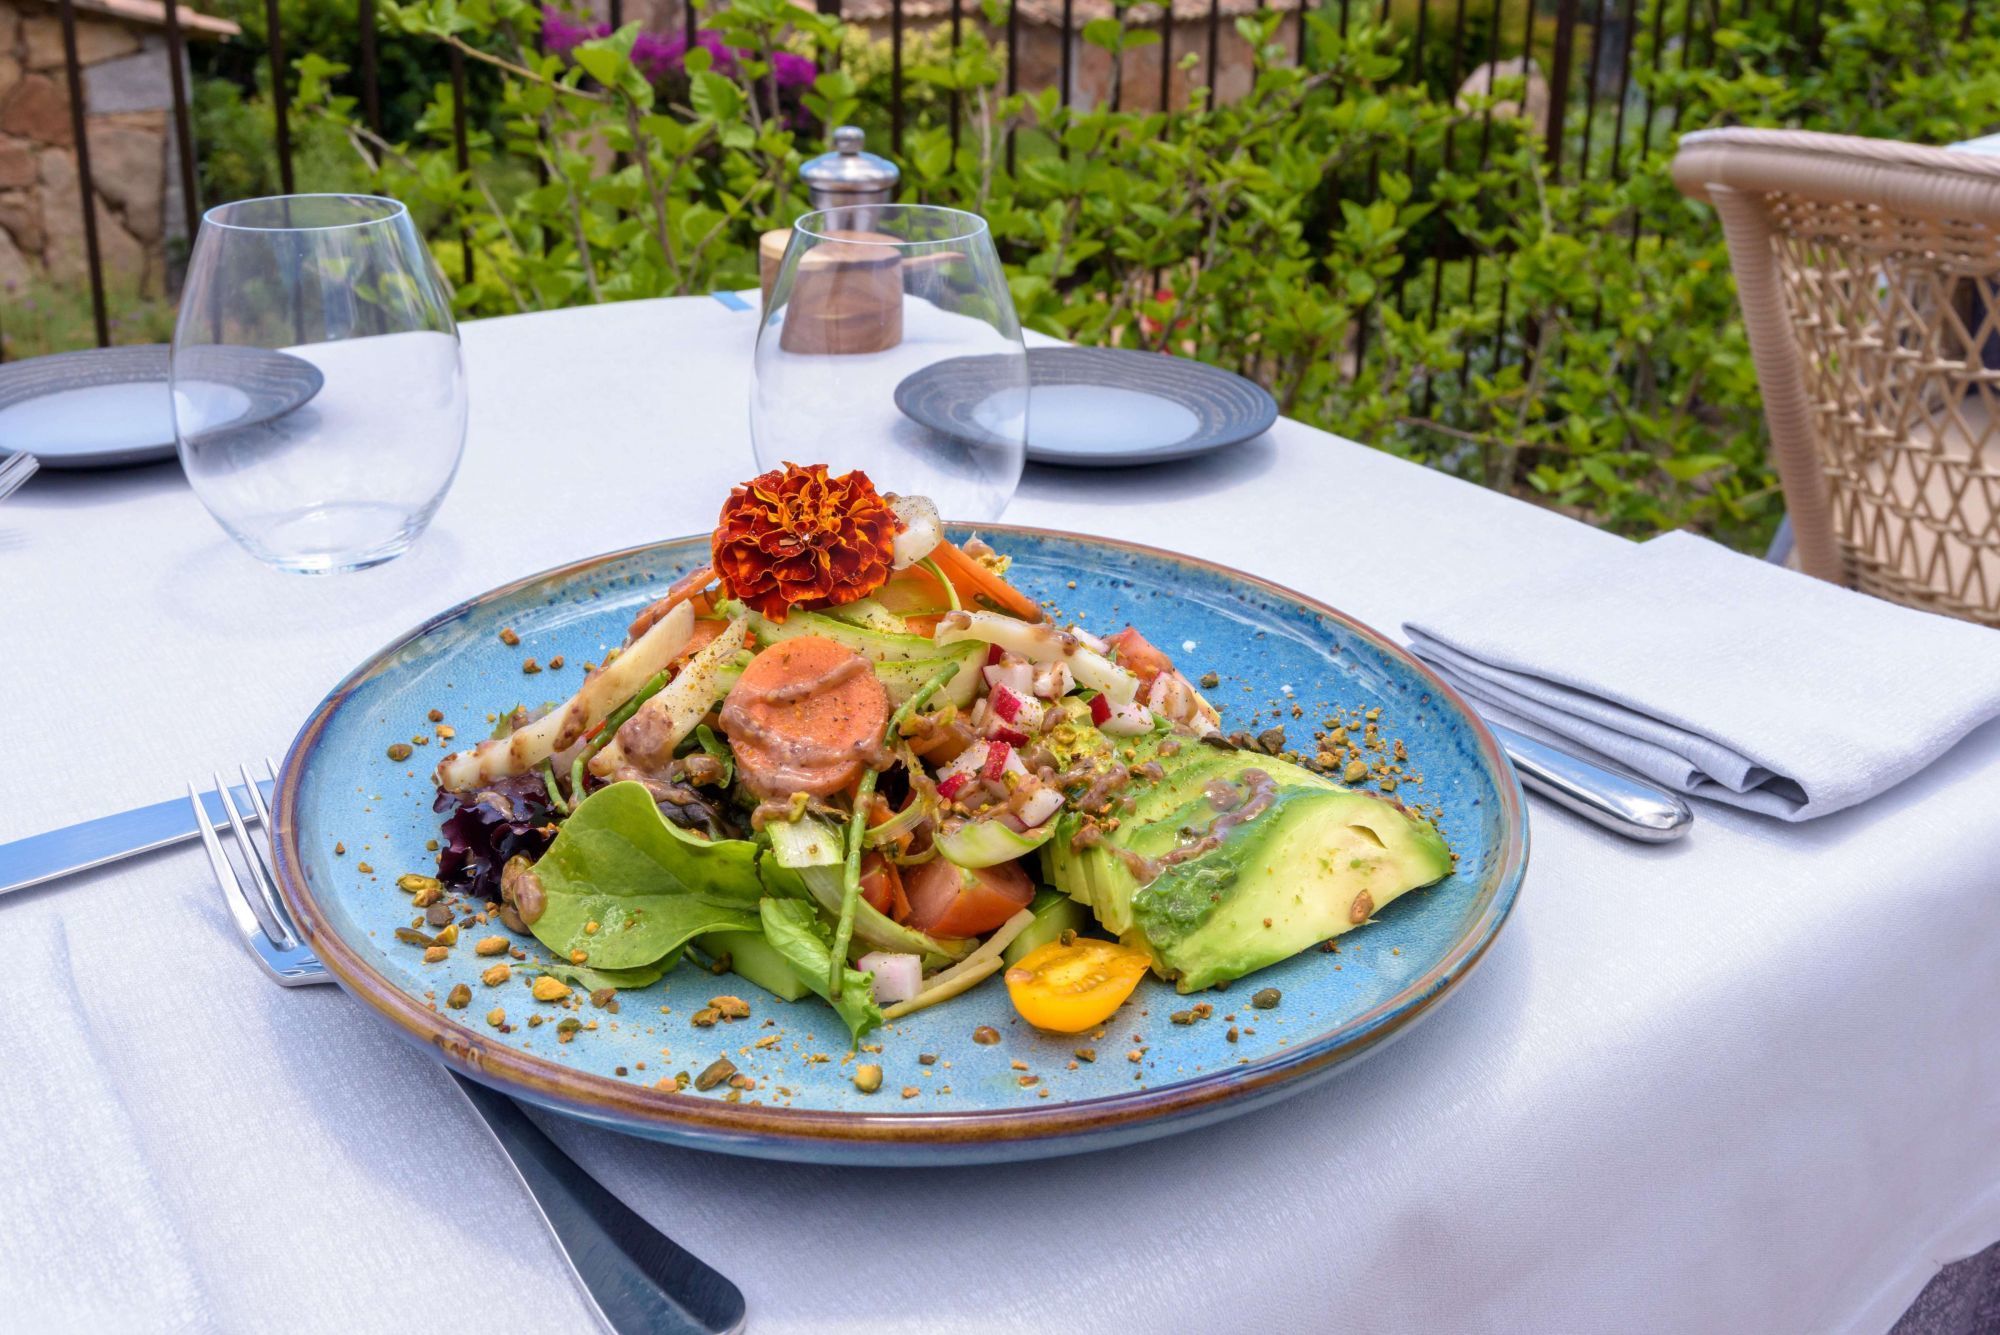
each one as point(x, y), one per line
point(949, 900)
point(1070, 988)
point(1137, 655)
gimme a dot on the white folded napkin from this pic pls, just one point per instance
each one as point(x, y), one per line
point(1723, 676)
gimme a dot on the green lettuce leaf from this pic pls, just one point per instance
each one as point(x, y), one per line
point(646, 885)
point(793, 929)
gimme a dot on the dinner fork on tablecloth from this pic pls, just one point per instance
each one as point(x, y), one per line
point(635, 1277)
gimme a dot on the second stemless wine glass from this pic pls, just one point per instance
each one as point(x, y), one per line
point(869, 296)
point(318, 391)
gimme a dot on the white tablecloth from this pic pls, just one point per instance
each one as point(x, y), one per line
point(1748, 1082)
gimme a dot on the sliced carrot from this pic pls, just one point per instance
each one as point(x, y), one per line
point(882, 887)
point(979, 586)
point(704, 631)
point(817, 735)
point(690, 585)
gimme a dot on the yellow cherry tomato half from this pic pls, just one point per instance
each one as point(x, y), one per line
point(1071, 988)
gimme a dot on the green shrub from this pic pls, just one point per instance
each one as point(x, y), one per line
point(46, 316)
point(1594, 363)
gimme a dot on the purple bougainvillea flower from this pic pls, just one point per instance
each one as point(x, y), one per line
point(793, 71)
point(563, 32)
point(659, 57)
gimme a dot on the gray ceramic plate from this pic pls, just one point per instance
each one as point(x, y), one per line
point(109, 407)
point(1096, 407)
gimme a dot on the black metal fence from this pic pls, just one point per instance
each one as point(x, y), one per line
point(1601, 89)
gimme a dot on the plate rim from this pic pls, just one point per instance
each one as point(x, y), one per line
point(626, 1105)
point(140, 356)
point(1172, 452)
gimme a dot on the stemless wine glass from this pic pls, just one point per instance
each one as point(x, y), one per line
point(890, 344)
point(318, 390)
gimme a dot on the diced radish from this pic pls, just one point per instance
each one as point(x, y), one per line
point(981, 711)
point(993, 654)
point(1127, 720)
point(950, 786)
point(963, 766)
point(997, 754)
point(1022, 715)
point(1016, 676)
point(1092, 641)
point(1054, 681)
point(1042, 804)
point(1100, 709)
point(1002, 733)
point(897, 977)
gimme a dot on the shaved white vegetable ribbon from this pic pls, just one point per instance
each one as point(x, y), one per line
point(614, 684)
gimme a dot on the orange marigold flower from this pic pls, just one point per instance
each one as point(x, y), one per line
point(798, 538)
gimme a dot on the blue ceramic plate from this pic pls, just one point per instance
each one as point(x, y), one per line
point(1270, 647)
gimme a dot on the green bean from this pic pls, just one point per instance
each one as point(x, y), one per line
point(613, 721)
point(857, 827)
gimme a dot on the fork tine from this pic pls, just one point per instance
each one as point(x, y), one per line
point(260, 894)
point(225, 872)
point(267, 881)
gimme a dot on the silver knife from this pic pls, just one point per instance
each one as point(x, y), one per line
point(1621, 803)
point(75, 848)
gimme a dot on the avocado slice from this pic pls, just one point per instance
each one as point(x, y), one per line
point(1316, 860)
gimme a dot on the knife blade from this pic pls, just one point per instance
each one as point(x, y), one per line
point(1621, 803)
point(93, 843)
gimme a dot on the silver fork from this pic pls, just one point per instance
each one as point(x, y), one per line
point(16, 469)
point(634, 1277)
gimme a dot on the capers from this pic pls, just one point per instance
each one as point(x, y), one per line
point(1264, 998)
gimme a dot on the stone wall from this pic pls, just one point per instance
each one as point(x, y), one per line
point(133, 169)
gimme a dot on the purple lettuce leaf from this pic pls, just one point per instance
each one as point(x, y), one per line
point(487, 827)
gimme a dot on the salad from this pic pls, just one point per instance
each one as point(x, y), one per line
point(848, 759)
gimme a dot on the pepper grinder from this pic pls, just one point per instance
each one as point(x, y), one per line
point(846, 298)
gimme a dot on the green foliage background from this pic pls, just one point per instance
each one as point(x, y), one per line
point(1579, 346)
